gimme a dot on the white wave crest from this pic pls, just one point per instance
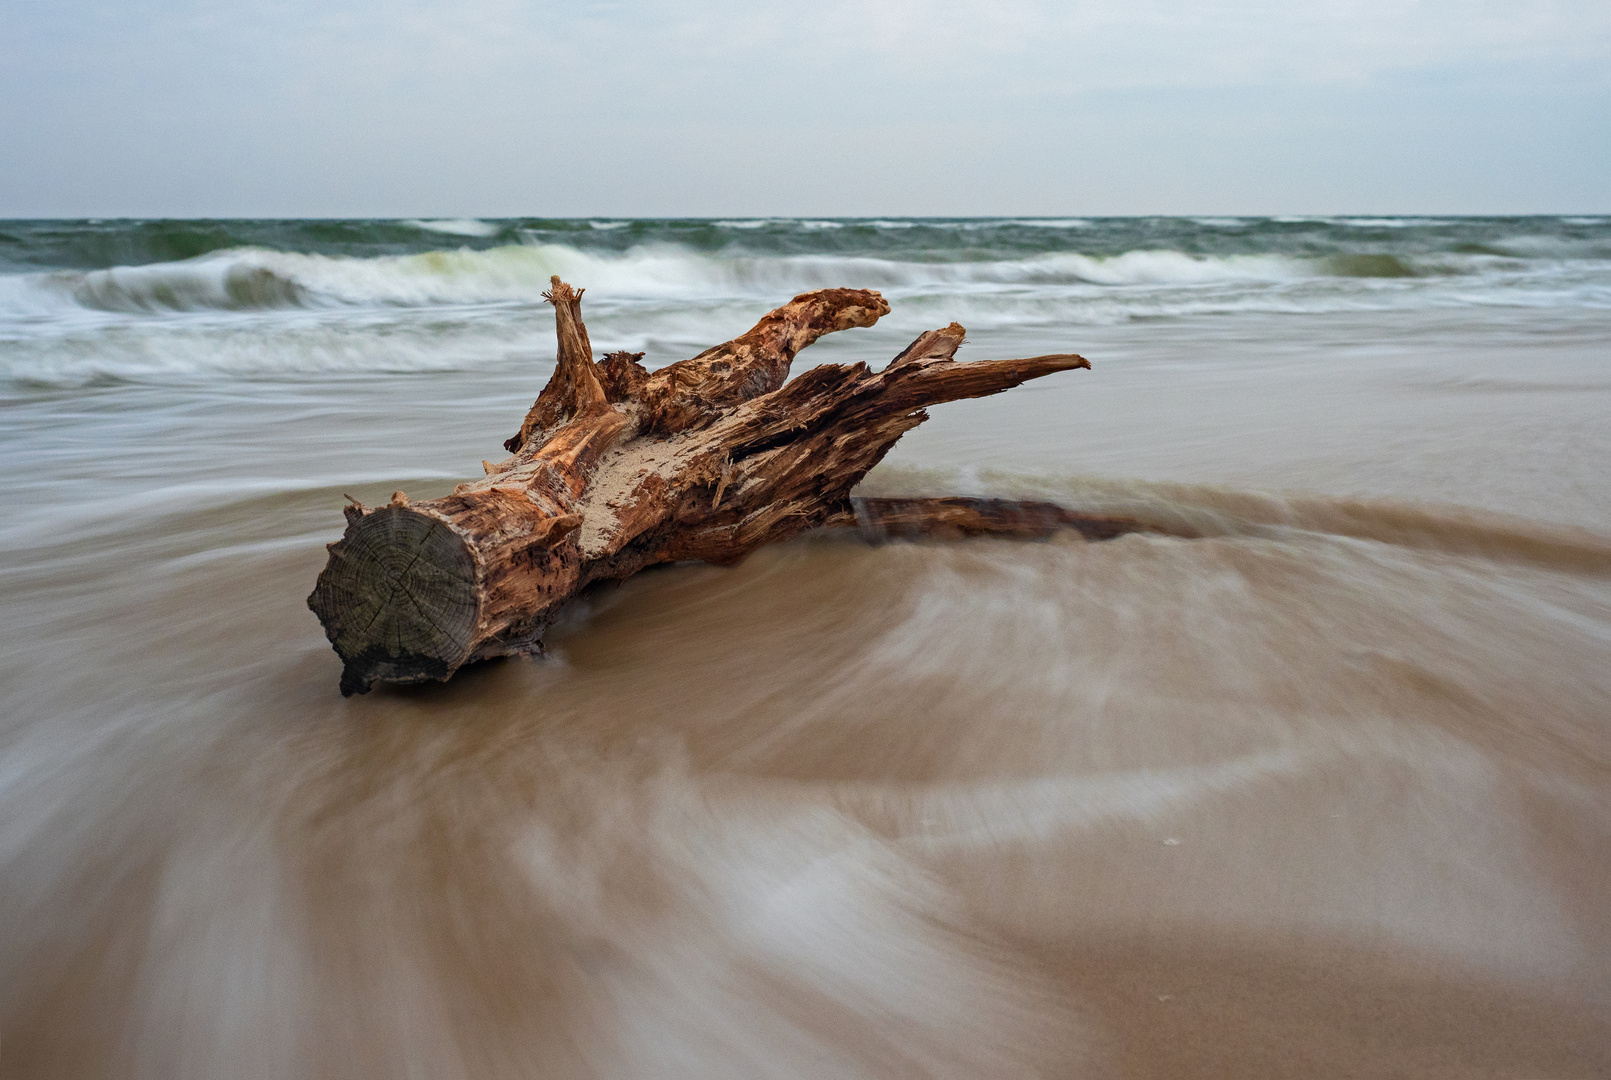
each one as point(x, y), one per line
point(456, 226)
point(666, 271)
point(1385, 222)
point(1050, 223)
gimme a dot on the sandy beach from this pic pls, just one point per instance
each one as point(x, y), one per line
point(1323, 793)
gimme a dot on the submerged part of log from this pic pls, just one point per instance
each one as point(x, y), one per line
point(950, 517)
point(616, 468)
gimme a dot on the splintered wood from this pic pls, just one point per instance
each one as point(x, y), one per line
point(616, 468)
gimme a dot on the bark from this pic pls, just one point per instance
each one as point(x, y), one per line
point(616, 468)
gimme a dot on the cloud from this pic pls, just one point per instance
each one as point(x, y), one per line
point(618, 107)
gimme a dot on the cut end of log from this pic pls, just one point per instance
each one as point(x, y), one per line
point(398, 599)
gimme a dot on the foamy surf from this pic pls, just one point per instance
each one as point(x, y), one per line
point(252, 278)
point(369, 296)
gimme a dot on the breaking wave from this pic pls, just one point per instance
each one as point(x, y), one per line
point(246, 279)
point(91, 300)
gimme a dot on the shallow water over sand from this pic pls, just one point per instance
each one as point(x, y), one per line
point(1324, 793)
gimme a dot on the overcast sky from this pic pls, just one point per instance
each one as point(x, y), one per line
point(835, 107)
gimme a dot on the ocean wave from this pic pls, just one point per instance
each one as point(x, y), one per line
point(1049, 223)
point(247, 279)
point(215, 283)
point(457, 226)
point(207, 284)
point(42, 246)
point(263, 347)
point(1377, 266)
point(1386, 222)
point(269, 346)
point(1551, 247)
point(254, 311)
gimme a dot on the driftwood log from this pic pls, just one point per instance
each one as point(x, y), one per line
point(616, 468)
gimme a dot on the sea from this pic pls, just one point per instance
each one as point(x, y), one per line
point(1324, 791)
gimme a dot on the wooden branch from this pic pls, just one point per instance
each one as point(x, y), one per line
point(690, 392)
point(616, 468)
point(574, 387)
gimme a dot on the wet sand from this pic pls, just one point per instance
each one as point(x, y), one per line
point(1325, 793)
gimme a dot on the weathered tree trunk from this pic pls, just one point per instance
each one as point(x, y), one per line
point(616, 468)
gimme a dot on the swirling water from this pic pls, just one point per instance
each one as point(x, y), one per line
point(1326, 792)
